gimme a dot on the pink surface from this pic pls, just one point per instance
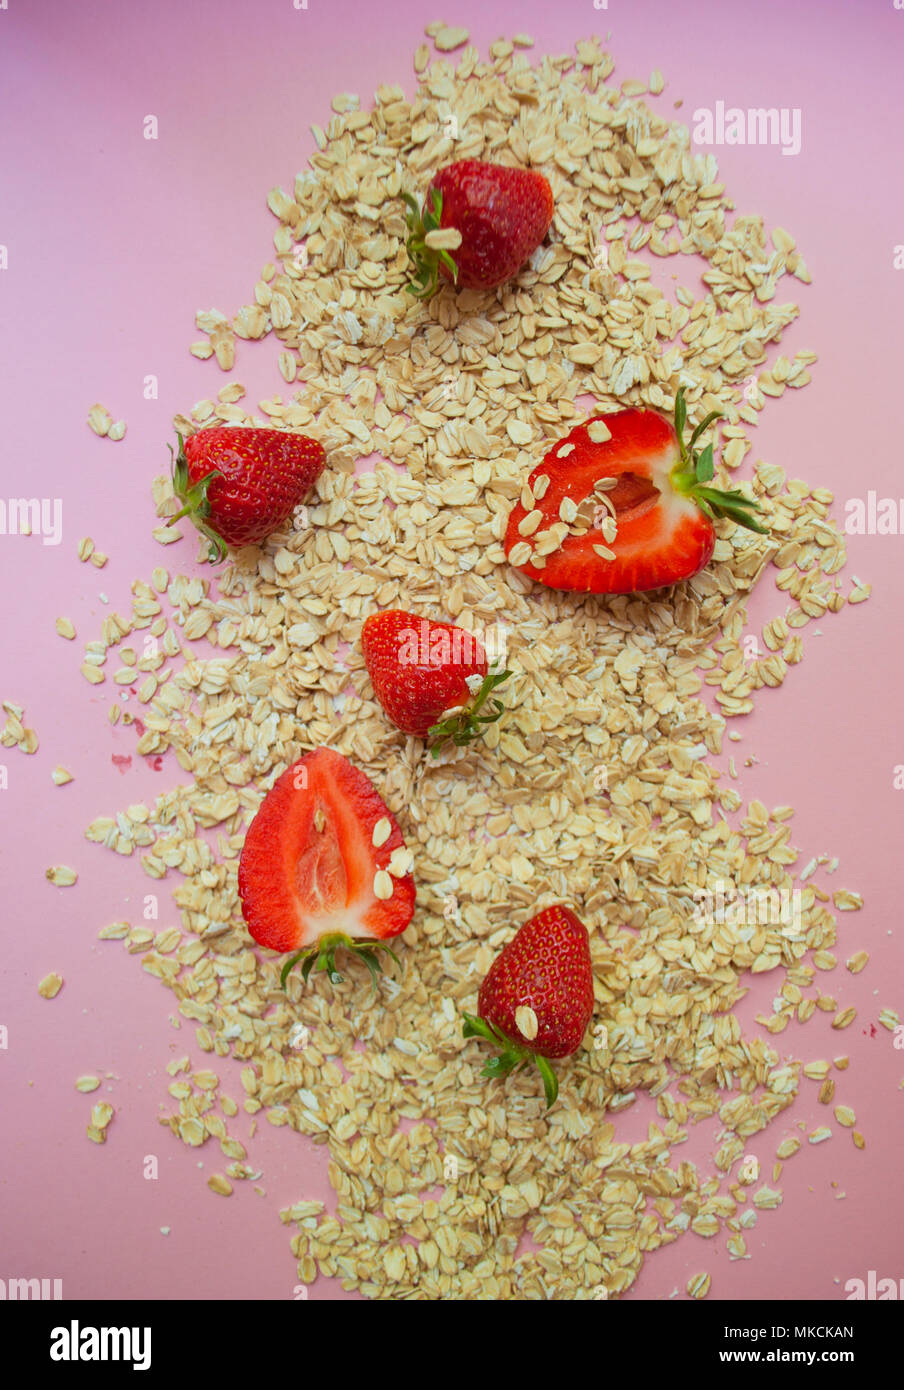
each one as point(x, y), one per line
point(113, 243)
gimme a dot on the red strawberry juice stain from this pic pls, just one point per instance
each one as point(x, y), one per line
point(872, 1031)
point(121, 761)
point(138, 726)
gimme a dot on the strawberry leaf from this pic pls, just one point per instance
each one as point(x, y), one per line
point(321, 956)
point(680, 416)
point(695, 470)
point(704, 424)
point(733, 505)
point(511, 1057)
point(425, 259)
point(196, 503)
point(704, 466)
point(550, 1080)
point(290, 965)
point(467, 723)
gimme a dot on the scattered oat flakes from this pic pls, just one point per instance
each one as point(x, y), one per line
point(443, 239)
point(61, 876)
point(166, 535)
point(447, 39)
point(116, 931)
point(100, 419)
point(50, 986)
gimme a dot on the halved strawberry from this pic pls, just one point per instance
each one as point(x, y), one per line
point(311, 874)
point(645, 507)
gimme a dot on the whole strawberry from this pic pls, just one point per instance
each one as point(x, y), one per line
point(239, 484)
point(432, 679)
point(502, 214)
point(537, 998)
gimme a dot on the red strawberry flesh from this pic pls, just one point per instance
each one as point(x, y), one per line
point(662, 536)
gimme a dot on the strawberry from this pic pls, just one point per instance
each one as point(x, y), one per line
point(432, 679)
point(645, 508)
point(239, 484)
point(309, 873)
point(501, 212)
point(544, 971)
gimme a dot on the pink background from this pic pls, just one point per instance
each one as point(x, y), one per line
point(114, 242)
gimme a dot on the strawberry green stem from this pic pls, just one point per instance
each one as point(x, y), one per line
point(694, 471)
point(195, 501)
point(426, 259)
point(321, 956)
point(467, 723)
point(512, 1056)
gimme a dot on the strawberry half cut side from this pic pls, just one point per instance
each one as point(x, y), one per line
point(309, 869)
point(643, 501)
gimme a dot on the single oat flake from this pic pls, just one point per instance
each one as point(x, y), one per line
point(61, 875)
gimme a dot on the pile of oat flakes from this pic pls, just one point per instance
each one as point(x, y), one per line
point(595, 789)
